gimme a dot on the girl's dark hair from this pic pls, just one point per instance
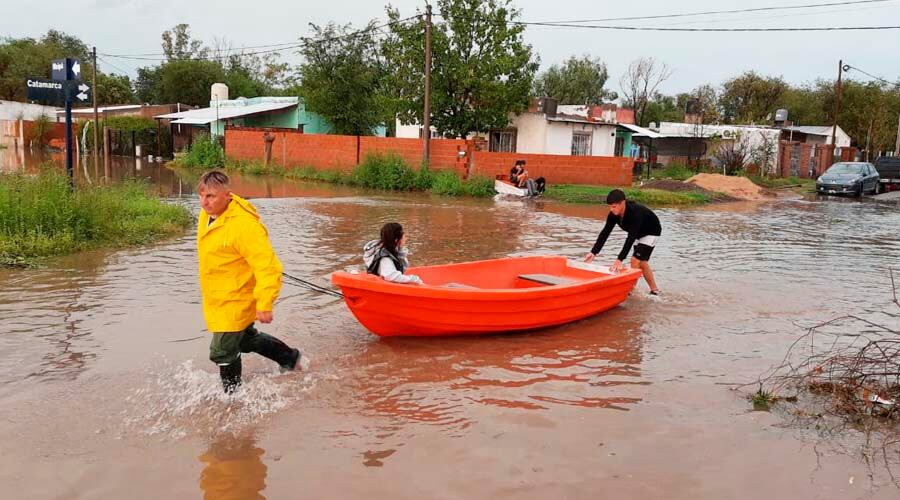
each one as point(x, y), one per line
point(391, 233)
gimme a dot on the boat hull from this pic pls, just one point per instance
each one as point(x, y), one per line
point(390, 309)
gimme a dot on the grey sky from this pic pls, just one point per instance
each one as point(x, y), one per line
point(134, 26)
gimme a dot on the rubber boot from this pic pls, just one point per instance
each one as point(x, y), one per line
point(231, 376)
point(270, 347)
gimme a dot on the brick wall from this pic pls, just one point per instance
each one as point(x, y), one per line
point(342, 152)
point(559, 169)
point(801, 159)
point(337, 152)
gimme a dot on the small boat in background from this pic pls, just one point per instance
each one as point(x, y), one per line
point(489, 296)
point(508, 189)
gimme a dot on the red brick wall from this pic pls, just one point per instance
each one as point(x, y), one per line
point(337, 152)
point(559, 169)
point(824, 157)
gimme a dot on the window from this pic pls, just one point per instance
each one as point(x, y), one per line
point(502, 141)
point(581, 143)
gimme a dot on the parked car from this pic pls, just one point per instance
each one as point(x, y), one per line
point(888, 168)
point(856, 178)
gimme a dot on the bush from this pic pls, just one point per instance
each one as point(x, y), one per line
point(479, 186)
point(424, 177)
point(447, 183)
point(205, 152)
point(387, 172)
point(677, 171)
point(43, 215)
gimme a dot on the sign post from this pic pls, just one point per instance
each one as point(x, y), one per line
point(64, 88)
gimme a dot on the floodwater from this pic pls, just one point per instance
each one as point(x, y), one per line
point(106, 391)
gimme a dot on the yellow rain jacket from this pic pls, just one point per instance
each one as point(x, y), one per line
point(239, 272)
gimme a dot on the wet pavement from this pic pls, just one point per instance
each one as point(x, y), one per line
point(106, 390)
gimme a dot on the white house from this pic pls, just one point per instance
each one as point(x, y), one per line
point(816, 134)
point(546, 128)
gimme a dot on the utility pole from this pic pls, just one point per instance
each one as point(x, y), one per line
point(426, 114)
point(96, 120)
point(837, 109)
point(897, 146)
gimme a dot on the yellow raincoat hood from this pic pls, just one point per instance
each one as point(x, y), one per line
point(239, 272)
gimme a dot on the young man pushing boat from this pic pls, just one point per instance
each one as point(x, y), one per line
point(240, 278)
point(643, 228)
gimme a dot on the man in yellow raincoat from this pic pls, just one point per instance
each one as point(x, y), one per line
point(240, 278)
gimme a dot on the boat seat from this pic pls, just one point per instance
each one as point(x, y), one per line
point(458, 285)
point(546, 279)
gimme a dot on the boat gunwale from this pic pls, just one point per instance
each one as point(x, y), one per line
point(375, 284)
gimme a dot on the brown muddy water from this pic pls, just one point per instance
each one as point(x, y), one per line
point(106, 390)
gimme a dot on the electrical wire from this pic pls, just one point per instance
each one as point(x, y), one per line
point(700, 30)
point(712, 12)
point(870, 75)
point(287, 46)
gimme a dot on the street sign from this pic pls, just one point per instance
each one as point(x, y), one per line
point(79, 93)
point(66, 69)
point(56, 92)
point(48, 91)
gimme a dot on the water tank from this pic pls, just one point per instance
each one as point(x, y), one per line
point(219, 92)
point(781, 115)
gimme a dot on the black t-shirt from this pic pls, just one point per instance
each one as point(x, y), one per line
point(638, 221)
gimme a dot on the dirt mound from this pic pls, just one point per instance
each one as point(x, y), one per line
point(736, 187)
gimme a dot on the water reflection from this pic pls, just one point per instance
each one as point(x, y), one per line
point(588, 364)
point(233, 469)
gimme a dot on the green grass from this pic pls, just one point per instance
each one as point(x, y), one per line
point(41, 216)
point(674, 170)
point(597, 194)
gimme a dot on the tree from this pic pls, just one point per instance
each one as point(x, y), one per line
point(664, 108)
point(732, 154)
point(26, 57)
point(114, 89)
point(751, 98)
point(576, 81)
point(189, 81)
point(147, 84)
point(341, 78)
point(482, 69)
point(177, 44)
point(639, 84)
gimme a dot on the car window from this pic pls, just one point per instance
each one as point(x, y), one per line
point(844, 168)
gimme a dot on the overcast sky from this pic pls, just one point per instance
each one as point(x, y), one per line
point(134, 26)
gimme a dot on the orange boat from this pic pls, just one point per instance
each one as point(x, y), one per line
point(489, 296)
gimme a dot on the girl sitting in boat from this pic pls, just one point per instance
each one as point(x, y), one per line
point(387, 257)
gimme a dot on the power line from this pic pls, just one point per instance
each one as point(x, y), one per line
point(700, 30)
point(282, 47)
point(712, 12)
point(848, 67)
point(113, 65)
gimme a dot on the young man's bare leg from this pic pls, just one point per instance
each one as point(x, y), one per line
point(644, 266)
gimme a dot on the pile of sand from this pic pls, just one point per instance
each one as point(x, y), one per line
point(736, 187)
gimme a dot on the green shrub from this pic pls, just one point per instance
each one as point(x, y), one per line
point(447, 183)
point(389, 172)
point(479, 186)
point(677, 171)
point(205, 152)
point(42, 215)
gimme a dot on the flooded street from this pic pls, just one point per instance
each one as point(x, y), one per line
point(106, 390)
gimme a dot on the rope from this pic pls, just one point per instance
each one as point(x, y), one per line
point(311, 286)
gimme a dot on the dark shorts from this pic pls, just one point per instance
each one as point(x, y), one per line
point(642, 252)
